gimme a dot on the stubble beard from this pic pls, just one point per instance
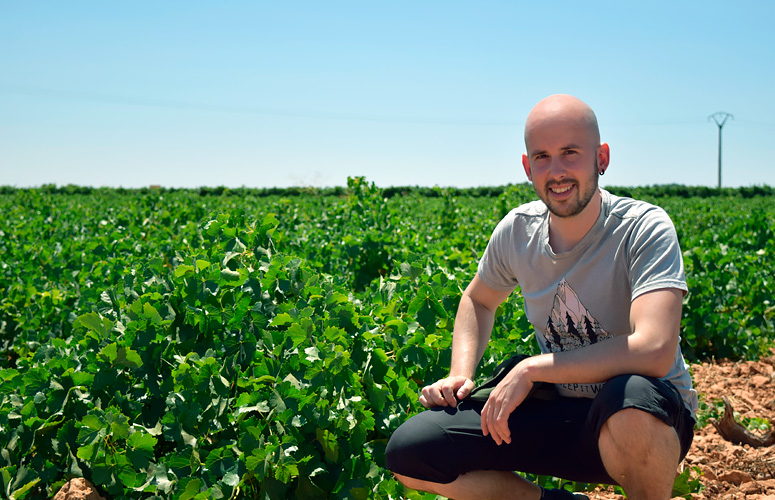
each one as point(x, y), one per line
point(575, 205)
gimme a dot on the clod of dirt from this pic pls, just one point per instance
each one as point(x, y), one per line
point(735, 477)
point(78, 489)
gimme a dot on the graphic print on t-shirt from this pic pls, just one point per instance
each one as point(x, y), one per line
point(570, 324)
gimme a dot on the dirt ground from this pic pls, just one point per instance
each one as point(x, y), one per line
point(730, 471)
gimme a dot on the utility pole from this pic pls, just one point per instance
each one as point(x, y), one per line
point(720, 118)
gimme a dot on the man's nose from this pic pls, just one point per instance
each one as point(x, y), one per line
point(557, 169)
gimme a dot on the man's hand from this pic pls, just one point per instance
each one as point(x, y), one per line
point(446, 392)
point(503, 400)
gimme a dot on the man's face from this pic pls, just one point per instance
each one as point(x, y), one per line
point(562, 163)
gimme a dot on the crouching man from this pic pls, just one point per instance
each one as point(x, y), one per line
point(610, 398)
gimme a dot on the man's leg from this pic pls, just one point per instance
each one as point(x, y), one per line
point(480, 485)
point(443, 450)
point(641, 453)
point(644, 430)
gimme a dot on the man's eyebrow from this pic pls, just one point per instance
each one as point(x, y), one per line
point(563, 148)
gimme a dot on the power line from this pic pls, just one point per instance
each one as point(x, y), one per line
point(164, 103)
point(75, 95)
point(758, 124)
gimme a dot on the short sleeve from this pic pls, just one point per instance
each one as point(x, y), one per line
point(655, 255)
point(496, 265)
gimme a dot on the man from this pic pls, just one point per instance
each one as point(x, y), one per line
point(602, 280)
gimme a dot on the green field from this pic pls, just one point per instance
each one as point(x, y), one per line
point(264, 344)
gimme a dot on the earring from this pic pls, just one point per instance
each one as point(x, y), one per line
point(601, 172)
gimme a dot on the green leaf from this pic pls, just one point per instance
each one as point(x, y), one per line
point(277, 402)
point(184, 270)
point(34, 381)
point(327, 440)
point(411, 271)
point(179, 460)
point(684, 485)
point(426, 316)
point(379, 363)
point(284, 472)
point(235, 278)
point(297, 334)
point(25, 480)
point(152, 314)
point(92, 428)
point(88, 452)
point(192, 489)
point(5, 476)
point(109, 353)
point(118, 424)
point(121, 356)
point(130, 478)
point(258, 462)
point(140, 449)
point(282, 319)
point(220, 460)
point(96, 323)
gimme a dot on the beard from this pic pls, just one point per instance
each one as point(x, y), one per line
point(574, 205)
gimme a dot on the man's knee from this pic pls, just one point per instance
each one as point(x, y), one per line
point(417, 449)
point(631, 430)
point(640, 452)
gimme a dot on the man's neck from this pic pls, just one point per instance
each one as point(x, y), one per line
point(566, 232)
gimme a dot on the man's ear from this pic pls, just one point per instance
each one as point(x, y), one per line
point(603, 157)
point(526, 166)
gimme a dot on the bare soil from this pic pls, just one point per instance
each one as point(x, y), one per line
point(730, 471)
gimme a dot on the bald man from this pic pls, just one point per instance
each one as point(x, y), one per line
point(610, 399)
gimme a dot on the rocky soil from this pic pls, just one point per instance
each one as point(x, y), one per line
point(731, 471)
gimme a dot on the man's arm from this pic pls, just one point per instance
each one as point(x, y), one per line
point(655, 320)
point(473, 326)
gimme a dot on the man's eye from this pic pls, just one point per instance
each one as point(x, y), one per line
point(569, 152)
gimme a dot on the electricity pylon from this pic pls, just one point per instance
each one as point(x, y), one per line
point(720, 118)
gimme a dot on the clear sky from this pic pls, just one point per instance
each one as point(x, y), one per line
point(306, 93)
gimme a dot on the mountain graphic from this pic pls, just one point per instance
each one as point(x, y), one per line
point(570, 324)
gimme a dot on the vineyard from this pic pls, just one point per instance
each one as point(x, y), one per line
point(199, 344)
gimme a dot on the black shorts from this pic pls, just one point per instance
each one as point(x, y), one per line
point(553, 436)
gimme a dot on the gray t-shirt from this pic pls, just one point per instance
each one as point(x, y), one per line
point(583, 296)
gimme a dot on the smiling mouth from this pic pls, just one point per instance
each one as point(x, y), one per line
point(561, 189)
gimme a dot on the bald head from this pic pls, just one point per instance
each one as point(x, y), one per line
point(561, 110)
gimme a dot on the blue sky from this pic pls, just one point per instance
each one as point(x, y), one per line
point(303, 93)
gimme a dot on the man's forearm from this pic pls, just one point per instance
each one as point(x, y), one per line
point(473, 326)
point(602, 361)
